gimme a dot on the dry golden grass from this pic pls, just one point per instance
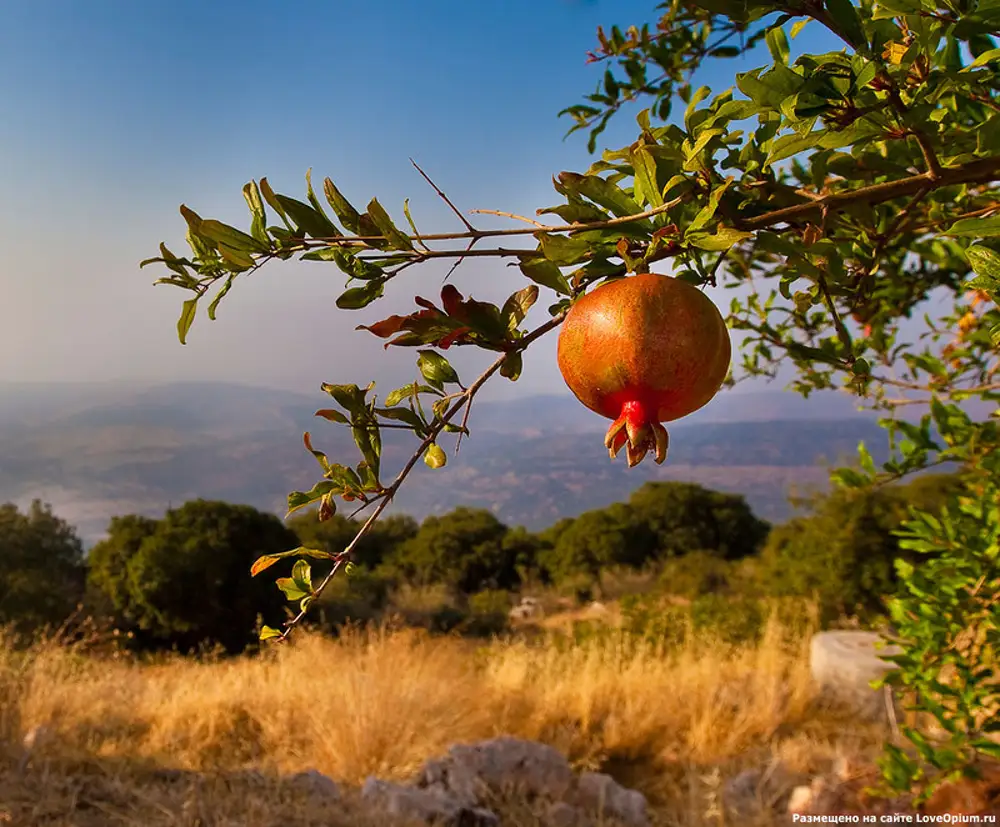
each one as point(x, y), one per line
point(383, 702)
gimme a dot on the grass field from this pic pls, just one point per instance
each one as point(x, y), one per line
point(673, 725)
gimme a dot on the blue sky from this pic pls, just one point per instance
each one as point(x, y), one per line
point(115, 112)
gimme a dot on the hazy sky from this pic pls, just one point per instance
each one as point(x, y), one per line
point(116, 111)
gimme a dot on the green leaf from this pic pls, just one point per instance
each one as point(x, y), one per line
point(788, 145)
point(231, 237)
point(187, 317)
point(544, 272)
point(333, 415)
point(562, 250)
point(301, 499)
point(692, 162)
point(219, 297)
point(258, 216)
point(991, 56)
point(777, 44)
point(512, 365)
point(266, 633)
point(357, 297)
point(350, 397)
point(799, 26)
point(291, 589)
point(646, 189)
point(435, 368)
point(302, 575)
point(601, 192)
point(273, 202)
point(723, 239)
point(517, 305)
point(397, 240)
point(985, 264)
point(308, 219)
point(345, 212)
point(770, 89)
point(314, 202)
point(976, 227)
point(434, 457)
point(174, 264)
point(707, 213)
point(237, 258)
point(409, 218)
point(846, 18)
point(402, 415)
point(866, 75)
point(407, 392)
point(867, 463)
point(848, 478)
point(368, 438)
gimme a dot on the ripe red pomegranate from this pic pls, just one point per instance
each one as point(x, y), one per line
point(643, 350)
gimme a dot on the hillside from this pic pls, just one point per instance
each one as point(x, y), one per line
point(98, 451)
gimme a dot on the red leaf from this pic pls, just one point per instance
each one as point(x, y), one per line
point(425, 303)
point(452, 300)
point(453, 337)
point(386, 327)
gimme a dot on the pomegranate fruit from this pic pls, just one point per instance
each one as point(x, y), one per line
point(643, 350)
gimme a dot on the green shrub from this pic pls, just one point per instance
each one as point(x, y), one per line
point(185, 579)
point(654, 620)
point(733, 620)
point(844, 551)
point(695, 574)
point(488, 613)
point(464, 550)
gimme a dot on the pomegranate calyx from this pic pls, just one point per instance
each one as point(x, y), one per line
point(639, 433)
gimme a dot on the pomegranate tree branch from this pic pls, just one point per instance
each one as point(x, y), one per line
point(445, 198)
point(385, 497)
point(980, 171)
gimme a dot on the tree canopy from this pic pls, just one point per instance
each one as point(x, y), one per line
point(463, 549)
point(184, 579)
point(41, 567)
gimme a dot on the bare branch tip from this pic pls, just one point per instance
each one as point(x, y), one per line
point(445, 198)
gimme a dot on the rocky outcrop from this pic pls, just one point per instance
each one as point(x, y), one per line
point(844, 662)
point(455, 790)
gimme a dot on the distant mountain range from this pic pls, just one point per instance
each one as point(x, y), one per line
point(94, 451)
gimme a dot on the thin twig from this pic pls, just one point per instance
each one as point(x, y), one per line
point(509, 215)
point(445, 198)
point(842, 332)
point(987, 101)
point(930, 156)
point(459, 260)
point(465, 425)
